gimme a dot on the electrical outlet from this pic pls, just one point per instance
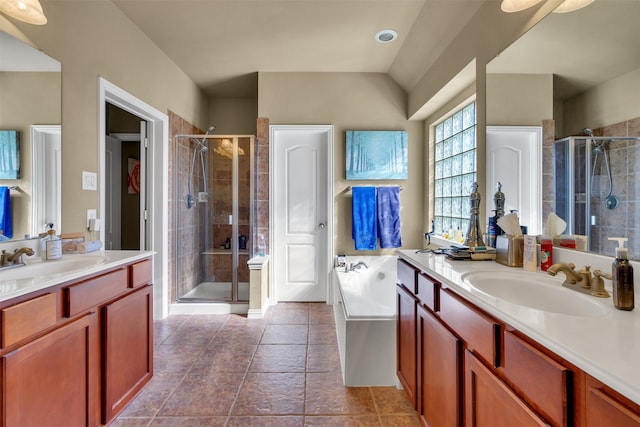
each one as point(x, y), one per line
point(91, 214)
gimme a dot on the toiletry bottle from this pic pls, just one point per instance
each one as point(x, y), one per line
point(227, 243)
point(546, 252)
point(492, 229)
point(242, 242)
point(622, 273)
point(262, 245)
point(51, 247)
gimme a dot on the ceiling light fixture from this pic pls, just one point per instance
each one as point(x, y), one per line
point(571, 5)
point(386, 36)
point(511, 6)
point(29, 11)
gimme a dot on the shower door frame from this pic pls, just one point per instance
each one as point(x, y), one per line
point(234, 214)
point(570, 173)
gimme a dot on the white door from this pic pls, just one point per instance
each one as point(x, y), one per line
point(514, 158)
point(301, 211)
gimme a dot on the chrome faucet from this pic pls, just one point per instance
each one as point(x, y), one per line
point(581, 280)
point(357, 266)
point(14, 259)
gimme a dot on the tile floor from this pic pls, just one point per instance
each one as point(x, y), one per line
point(283, 370)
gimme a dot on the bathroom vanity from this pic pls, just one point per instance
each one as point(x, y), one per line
point(75, 346)
point(474, 352)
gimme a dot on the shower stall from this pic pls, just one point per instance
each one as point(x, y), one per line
point(214, 178)
point(594, 186)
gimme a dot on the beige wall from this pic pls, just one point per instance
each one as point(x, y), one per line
point(611, 102)
point(519, 99)
point(350, 101)
point(93, 39)
point(27, 99)
point(233, 116)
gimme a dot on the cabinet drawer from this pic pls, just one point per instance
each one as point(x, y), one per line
point(407, 276)
point(427, 291)
point(140, 273)
point(540, 379)
point(84, 295)
point(27, 318)
point(476, 329)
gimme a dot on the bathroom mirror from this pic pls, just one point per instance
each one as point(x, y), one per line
point(30, 102)
point(592, 70)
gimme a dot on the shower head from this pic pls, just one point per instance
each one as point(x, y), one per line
point(587, 132)
point(202, 143)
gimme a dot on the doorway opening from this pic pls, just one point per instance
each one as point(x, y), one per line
point(157, 217)
point(126, 157)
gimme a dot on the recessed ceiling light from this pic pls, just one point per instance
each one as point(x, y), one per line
point(386, 36)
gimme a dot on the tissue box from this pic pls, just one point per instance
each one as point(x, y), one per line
point(509, 250)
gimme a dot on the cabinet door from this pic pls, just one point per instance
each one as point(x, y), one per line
point(53, 380)
point(489, 402)
point(127, 352)
point(604, 408)
point(406, 343)
point(439, 373)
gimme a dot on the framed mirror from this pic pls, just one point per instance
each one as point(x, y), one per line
point(30, 103)
point(585, 70)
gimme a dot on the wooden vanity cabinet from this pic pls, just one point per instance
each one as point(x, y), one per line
point(489, 402)
point(76, 353)
point(127, 326)
point(406, 355)
point(53, 381)
point(605, 407)
point(439, 372)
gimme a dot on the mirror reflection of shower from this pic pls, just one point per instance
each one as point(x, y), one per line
point(201, 149)
point(601, 184)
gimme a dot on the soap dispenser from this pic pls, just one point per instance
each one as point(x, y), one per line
point(622, 273)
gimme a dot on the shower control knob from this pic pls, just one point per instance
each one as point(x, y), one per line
point(321, 226)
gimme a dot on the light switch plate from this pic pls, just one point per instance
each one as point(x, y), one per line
point(89, 181)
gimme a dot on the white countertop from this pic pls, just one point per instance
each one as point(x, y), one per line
point(605, 345)
point(34, 276)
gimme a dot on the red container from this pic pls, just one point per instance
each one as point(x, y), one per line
point(546, 252)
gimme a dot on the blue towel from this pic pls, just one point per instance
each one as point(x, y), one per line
point(5, 212)
point(389, 217)
point(363, 209)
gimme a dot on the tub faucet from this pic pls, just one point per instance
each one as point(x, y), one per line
point(357, 266)
point(14, 259)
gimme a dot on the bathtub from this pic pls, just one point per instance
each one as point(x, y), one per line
point(365, 315)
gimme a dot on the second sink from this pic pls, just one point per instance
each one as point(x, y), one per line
point(535, 291)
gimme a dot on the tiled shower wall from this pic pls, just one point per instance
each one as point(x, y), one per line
point(186, 226)
point(186, 238)
point(624, 160)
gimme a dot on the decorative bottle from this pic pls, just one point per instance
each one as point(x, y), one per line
point(51, 246)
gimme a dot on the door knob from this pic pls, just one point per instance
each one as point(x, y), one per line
point(321, 226)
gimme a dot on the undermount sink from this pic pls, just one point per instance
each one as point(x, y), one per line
point(35, 268)
point(535, 291)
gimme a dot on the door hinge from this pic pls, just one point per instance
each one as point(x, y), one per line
point(146, 143)
point(146, 215)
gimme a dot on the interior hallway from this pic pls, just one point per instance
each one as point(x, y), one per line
point(283, 370)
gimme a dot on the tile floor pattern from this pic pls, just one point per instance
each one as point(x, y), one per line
point(283, 370)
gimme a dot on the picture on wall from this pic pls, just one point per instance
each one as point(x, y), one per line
point(9, 154)
point(374, 154)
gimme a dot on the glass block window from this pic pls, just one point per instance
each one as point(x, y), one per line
point(455, 169)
